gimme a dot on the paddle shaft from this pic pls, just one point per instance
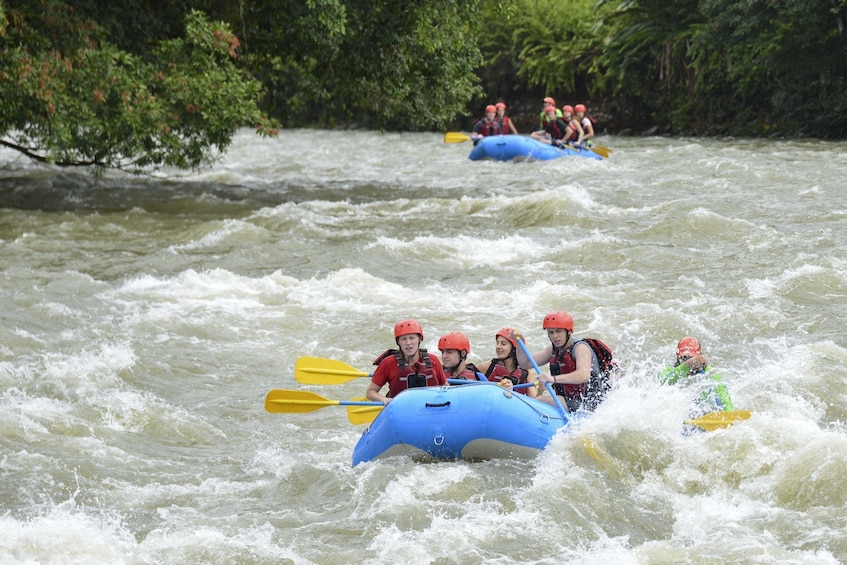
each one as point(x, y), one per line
point(538, 371)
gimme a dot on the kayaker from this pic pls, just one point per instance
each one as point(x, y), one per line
point(574, 367)
point(555, 132)
point(576, 134)
point(543, 119)
point(691, 370)
point(487, 125)
point(504, 368)
point(409, 366)
point(587, 123)
point(506, 124)
point(455, 347)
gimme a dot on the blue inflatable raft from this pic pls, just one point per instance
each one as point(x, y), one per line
point(519, 147)
point(473, 422)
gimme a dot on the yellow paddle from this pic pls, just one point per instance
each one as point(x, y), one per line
point(600, 150)
point(455, 137)
point(302, 401)
point(319, 371)
point(717, 420)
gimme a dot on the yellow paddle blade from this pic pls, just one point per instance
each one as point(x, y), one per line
point(296, 401)
point(362, 414)
point(602, 151)
point(455, 137)
point(717, 420)
point(601, 148)
point(319, 371)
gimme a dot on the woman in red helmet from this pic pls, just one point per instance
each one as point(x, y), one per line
point(587, 123)
point(506, 124)
point(409, 366)
point(455, 347)
point(574, 367)
point(487, 125)
point(691, 364)
point(504, 368)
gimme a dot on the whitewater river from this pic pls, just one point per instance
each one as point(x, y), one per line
point(145, 319)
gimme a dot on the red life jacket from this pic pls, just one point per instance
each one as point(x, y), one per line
point(469, 373)
point(574, 134)
point(490, 128)
point(497, 371)
point(504, 125)
point(584, 395)
point(555, 130)
point(405, 376)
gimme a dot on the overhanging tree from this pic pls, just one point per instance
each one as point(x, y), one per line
point(70, 97)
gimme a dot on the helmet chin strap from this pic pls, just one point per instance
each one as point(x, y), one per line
point(462, 357)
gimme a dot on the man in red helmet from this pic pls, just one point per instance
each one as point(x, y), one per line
point(575, 370)
point(410, 366)
point(487, 125)
point(543, 118)
point(690, 363)
point(455, 347)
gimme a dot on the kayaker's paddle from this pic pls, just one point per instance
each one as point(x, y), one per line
point(455, 137)
point(302, 401)
point(717, 420)
point(538, 372)
point(318, 371)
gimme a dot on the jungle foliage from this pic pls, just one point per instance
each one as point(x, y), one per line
point(70, 96)
point(742, 67)
point(141, 84)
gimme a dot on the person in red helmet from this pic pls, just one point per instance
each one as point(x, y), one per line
point(690, 369)
point(506, 124)
point(576, 132)
point(409, 366)
point(487, 125)
point(574, 367)
point(587, 123)
point(543, 118)
point(555, 132)
point(504, 368)
point(455, 347)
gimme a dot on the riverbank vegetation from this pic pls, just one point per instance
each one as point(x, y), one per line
point(136, 84)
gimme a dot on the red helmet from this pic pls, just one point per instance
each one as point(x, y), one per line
point(501, 105)
point(580, 107)
point(549, 100)
point(567, 108)
point(550, 109)
point(688, 347)
point(404, 327)
point(558, 321)
point(506, 333)
point(490, 108)
point(454, 340)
